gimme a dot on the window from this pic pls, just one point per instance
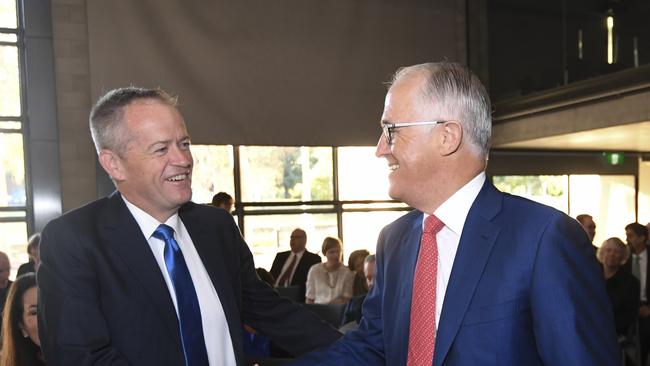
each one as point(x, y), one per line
point(280, 188)
point(13, 193)
point(212, 172)
point(609, 199)
point(274, 173)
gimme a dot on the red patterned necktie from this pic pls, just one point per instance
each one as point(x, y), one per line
point(286, 276)
point(422, 330)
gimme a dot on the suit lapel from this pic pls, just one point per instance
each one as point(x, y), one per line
point(476, 242)
point(119, 229)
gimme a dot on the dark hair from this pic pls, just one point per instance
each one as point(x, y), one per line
point(638, 229)
point(220, 198)
point(16, 349)
point(34, 242)
point(265, 276)
point(107, 114)
point(582, 217)
point(354, 256)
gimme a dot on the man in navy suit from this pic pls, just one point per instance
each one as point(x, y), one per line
point(146, 277)
point(473, 276)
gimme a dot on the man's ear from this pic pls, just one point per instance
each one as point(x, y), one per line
point(112, 164)
point(452, 137)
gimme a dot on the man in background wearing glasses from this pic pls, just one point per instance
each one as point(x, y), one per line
point(472, 276)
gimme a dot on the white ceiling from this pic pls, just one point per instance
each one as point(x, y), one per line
point(630, 137)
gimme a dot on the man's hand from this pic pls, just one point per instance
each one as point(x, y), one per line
point(644, 311)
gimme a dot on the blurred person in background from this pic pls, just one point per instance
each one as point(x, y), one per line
point(223, 200)
point(588, 224)
point(33, 245)
point(355, 264)
point(330, 282)
point(5, 283)
point(21, 345)
point(622, 287)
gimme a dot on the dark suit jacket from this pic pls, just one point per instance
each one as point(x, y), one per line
point(302, 268)
point(628, 267)
point(103, 299)
point(525, 289)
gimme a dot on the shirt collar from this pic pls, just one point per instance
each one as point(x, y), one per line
point(147, 223)
point(453, 212)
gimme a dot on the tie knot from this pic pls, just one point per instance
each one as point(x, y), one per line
point(432, 225)
point(164, 232)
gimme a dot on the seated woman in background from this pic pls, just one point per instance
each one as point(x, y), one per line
point(355, 264)
point(330, 282)
point(20, 342)
point(622, 286)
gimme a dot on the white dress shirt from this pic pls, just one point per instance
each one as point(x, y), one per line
point(286, 266)
point(452, 213)
point(215, 327)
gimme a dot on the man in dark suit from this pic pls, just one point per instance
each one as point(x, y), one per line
point(146, 277)
point(290, 268)
point(472, 276)
point(639, 265)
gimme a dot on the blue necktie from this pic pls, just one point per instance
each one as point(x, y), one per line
point(189, 312)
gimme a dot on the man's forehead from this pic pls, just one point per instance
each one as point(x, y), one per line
point(404, 100)
point(298, 233)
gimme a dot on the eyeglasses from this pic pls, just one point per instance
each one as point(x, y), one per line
point(389, 128)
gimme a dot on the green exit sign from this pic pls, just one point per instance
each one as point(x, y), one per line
point(614, 158)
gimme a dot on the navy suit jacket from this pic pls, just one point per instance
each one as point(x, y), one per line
point(525, 289)
point(103, 299)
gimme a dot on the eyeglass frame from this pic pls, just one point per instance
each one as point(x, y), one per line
point(389, 128)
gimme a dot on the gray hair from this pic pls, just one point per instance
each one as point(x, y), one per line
point(370, 258)
point(107, 115)
point(457, 92)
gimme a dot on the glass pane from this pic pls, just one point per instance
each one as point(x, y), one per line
point(361, 229)
point(644, 192)
point(608, 198)
point(362, 176)
point(21, 214)
point(12, 170)
point(267, 235)
point(380, 205)
point(288, 207)
point(9, 125)
point(10, 90)
point(8, 17)
point(8, 37)
point(551, 190)
point(13, 241)
point(213, 172)
point(277, 173)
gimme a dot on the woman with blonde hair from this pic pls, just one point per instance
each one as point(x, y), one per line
point(622, 287)
point(20, 343)
point(330, 282)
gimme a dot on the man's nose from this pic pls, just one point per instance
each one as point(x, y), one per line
point(181, 157)
point(382, 147)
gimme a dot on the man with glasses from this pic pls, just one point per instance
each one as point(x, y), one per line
point(472, 276)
